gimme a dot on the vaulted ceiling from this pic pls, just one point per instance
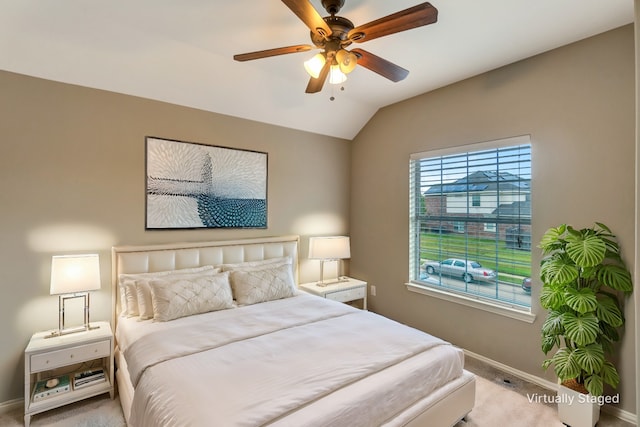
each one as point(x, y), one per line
point(182, 51)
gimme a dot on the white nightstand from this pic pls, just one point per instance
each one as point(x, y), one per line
point(65, 355)
point(347, 291)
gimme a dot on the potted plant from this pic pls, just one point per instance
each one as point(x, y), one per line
point(584, 278)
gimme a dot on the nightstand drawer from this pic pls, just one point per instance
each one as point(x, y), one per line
point(347, 294)
point(80, 353)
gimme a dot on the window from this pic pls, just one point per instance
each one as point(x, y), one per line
point(490, 226)
point(471, 222)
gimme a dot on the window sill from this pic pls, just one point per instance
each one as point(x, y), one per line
point(472, 302)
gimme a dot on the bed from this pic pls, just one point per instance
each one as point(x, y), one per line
point(221, 336)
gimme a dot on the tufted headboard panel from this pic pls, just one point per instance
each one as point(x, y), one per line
point(174, 256)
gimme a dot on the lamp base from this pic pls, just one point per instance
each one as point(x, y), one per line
point(67, 331)
point(341, 279)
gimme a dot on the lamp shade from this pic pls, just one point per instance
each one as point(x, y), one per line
point(333, 247)
point(314, 65)
point(336, 76)
point(346, 60)
point(74, 273)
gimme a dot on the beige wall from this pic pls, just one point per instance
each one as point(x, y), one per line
point(72, 180)
point(577, 103)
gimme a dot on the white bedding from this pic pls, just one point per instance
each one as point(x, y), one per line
point(228, 367)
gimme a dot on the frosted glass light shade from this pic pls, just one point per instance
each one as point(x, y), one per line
point(347, 61)
point(314, 65)
point(74, 273)
point(336, 76)
point(334, 247)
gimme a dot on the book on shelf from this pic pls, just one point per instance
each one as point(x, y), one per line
point(88, 377)
point(50, 387)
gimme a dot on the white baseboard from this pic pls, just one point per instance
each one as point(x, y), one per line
point(549, 385)
point(11, 405)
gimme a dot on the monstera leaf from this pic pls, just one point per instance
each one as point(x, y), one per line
point(565, 364)
point(590, 358)
point(581, 328)
point(608, 311)
point(585, 251)
point(581, 300)
point(615, 277)
point(558, 270)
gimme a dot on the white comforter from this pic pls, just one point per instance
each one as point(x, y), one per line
point(292, 362)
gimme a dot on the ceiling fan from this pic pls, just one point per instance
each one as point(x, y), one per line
point(334, 33)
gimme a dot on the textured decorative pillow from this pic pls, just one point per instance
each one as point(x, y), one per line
point(145, 300)
point(252, 264)
point(260, 284)
point(129, 305)
point(175, 297)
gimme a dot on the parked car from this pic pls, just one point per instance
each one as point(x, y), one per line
point(526, 284)
point(459, 268)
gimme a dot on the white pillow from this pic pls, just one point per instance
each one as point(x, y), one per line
point(129, 302)
point(145, 302)
point(260, 284)
point(252, 264)
point(131, 298)
point(145, 299)
point(175, 297)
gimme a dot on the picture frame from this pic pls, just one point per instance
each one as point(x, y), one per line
point(192, 185)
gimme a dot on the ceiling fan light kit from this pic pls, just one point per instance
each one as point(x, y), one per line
point(334, 33)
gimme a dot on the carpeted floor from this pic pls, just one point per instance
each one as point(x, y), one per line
point(501, 400)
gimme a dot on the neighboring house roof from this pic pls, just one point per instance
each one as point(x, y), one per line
point(513, 209)
point(482, 181)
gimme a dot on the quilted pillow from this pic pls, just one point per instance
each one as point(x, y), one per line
point(260, 284)
point(175, 297)
point(129, 301)
point(143, 290)
point(271, 262)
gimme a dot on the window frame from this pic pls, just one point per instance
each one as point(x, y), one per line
point(506, 308)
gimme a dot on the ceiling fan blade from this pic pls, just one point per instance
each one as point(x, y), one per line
point(315, 84)
point(310, 16)
point(272, 52)
point(387, 69)
point(416, 16)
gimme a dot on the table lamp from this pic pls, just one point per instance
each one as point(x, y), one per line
point(332, 248)
point(73, 276)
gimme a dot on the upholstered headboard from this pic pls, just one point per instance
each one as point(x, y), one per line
point(174, 256)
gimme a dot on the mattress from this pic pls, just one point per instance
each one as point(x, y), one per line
point(296, 361)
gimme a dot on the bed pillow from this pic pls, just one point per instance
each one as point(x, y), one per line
point(129, 303)
point(260, 284)
point(131, 298)
point(143, 290)
point(175, 297)
point(253, 264)
point(145, 302)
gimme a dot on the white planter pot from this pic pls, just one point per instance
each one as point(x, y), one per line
point(576, 409)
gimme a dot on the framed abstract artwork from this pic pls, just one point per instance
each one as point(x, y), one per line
point(191, 185)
